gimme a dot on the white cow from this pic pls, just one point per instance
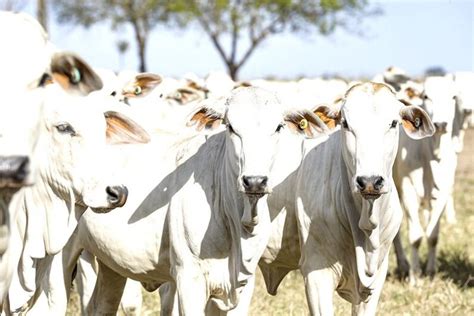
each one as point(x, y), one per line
point(424, 174)
point(24, 58)
point(73, 172)
point(200, 223)
point(339, 209)
point(464, 85)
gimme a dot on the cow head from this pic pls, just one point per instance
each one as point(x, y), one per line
point(24, 57)
point(73, 158)
point(439, 102)
point(369, 120)
point(75, 133)
point(255, 120)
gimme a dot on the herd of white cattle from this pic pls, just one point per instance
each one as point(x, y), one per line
point(188, 185)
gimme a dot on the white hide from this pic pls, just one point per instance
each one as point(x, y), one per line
point(24, 58)
point(191, 212)
point(73, 174)
point(424, 174)
point(343, 237)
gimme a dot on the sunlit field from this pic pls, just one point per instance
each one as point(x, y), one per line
point(451, 292)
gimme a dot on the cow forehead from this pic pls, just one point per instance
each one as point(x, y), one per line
point(250, 108)
point(439, 87)
point(83, 112)
point(370, 101)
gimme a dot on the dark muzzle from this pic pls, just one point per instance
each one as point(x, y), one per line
point(370, 187)
point(14, 171)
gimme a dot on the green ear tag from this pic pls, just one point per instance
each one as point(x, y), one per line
point(303, 124)
point(417, 122)
point(138, 90)
point(75, 76)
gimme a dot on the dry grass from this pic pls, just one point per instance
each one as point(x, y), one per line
point(451, 292)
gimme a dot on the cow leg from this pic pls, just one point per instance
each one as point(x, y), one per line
point(403, 267)
point(369, 308)
point(319, 286)
point(410, 203)
point(131, 303)
point(192, 291)
point(449, 209)
point(432, 230)
point(169, 300)
point(86, 278)
point(107, 292)
point(432, 243)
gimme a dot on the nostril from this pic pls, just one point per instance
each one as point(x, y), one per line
point(263, 181)
point(22, 170)
point(246, 181)
point(378, 183)
point(117, 195)
point(113, 194)
point(361, 183)
point(254, 184)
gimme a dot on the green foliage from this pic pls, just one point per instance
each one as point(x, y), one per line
point(231, 21)
point(88, 12)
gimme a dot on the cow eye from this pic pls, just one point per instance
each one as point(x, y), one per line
point(114, 93)
point(138, 90)
point(65, 128)
point(279, 127)
point(394, 124)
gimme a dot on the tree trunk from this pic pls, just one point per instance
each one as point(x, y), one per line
point(233, 70)
point(141, 54)
point(42, 14)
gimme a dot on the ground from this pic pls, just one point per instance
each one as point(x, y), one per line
point(451, 292)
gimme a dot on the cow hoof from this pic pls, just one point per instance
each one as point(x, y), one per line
point(403, 270)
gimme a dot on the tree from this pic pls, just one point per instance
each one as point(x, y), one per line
point(141, 15)
point(42, 13)
point(227, 22)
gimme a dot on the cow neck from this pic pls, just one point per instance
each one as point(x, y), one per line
point(245, 248)
point(367, 222)
point(54, 216)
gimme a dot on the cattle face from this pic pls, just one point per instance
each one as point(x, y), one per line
point(370, 117)
point(255, 120)
point(24, 58)
point(74, 153)
point(439, 102)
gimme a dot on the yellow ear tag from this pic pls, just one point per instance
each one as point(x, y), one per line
point(303, 124)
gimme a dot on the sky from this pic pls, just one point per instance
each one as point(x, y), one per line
point(412, 35)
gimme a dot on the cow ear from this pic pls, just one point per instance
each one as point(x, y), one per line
point(141, 85)
point(73, 74)
point(205, 118)
point(123, 130)
point(416, 122)
point(330, 117)
point(184, 96)
point(305, 123)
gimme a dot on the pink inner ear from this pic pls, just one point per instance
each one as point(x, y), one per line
point(122, 130)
